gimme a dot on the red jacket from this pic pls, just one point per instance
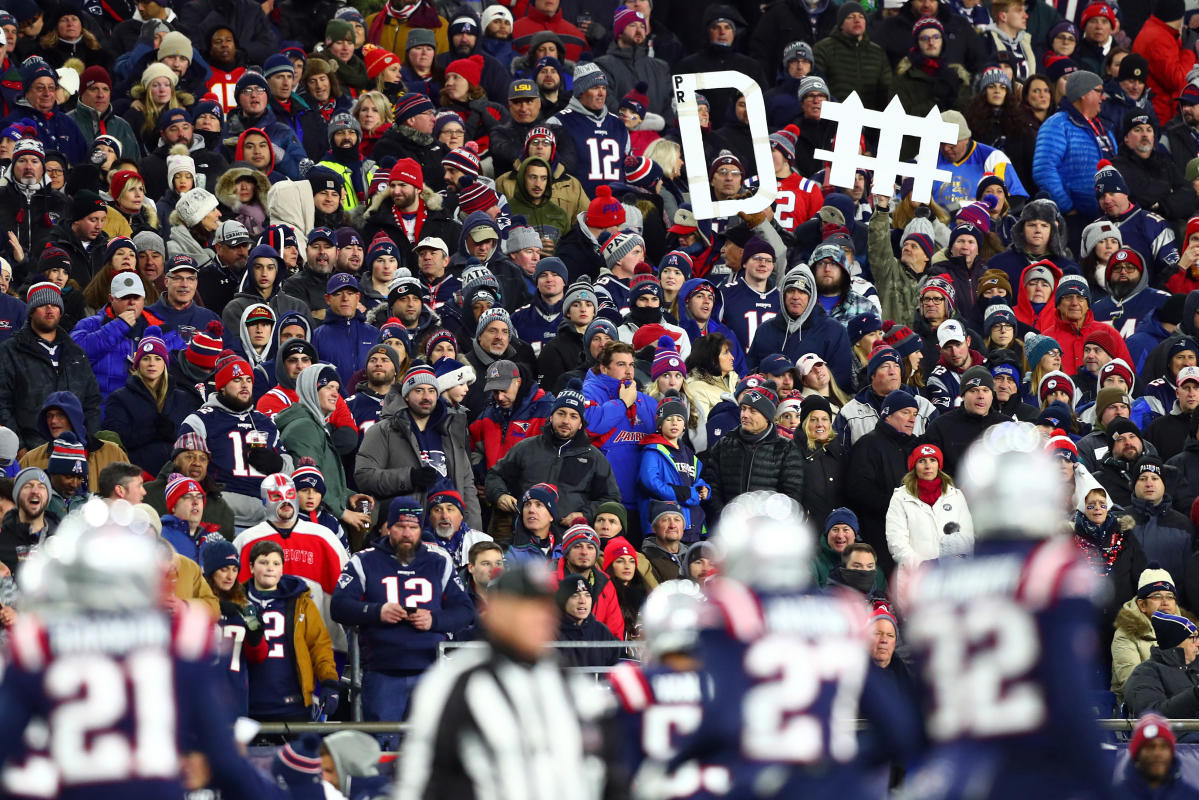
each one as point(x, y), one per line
point(605, 607)
point(495, 437)
point(1024, 310)
point(1168, 64)
point(1072, 339)
point(535, 22)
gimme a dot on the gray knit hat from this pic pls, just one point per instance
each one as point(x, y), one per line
point(588, 75)
point(520, 236)
point(616, 246)
point(149, 240)
point(25, 476)
point(581, 289)
point(1079, 83)
point(41, 294)
point(493, 314)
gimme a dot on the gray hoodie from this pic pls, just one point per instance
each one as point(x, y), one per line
point(798, 276)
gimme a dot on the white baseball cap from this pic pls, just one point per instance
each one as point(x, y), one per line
point(950, 331)
point(126, 284)
point(433, 242)
point(1186, 374)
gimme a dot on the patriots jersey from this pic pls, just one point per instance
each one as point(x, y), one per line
point(1004, 643)
point(123, 697)
point(229, 435)
point(601, 146)
point(791, 676)
point(658, 707)
point(366, 407)
point(743, 310)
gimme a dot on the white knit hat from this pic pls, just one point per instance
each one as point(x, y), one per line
point(194, 205)
point(179, 161)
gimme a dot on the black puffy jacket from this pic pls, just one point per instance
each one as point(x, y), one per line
point(28, 377)
point(823, 479)
point(877, 464)
point(742, 463)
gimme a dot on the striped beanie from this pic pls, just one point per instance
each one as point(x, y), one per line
point(641, 172)
point(206, 346)
point(418, 375)
point(1061, 445)
point(475, 196)
point(666, 359)
point(545, 493)
point(615, 246)
point(179, 485)
point(465, 159)
point(541, 132)
point(151, 343)
point(43, 293)
point(68, 456)
point(495, 314)
point(308, 476)
point(588, 75)
point(410, 105)
point(785, 140)
point(578, 534)
point(437, 337)
point(943, 287)
point(234, 367)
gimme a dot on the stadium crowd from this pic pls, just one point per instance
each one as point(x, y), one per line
point(363, 305)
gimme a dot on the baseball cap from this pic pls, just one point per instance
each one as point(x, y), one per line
point(501, 374)
point(522, 88)
point(339, 281)
point(481, 233)
point(316, 234)
point(950, 331)
point(433, 242)
point(1186, 374)
point(231, 233)
point(182, 262)
point(129, 284)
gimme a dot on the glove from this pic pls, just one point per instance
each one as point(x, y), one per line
point(250, 616)
point(479, 104)
point(682, 494)
point(424, 476)
point(330, 699)
point(230, 609)
point(165, 427)
point(264, 459)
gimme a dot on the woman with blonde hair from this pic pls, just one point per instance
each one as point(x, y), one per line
point(128, 212)
point(152, 97)
point(819, 380)
point(669, 156)
point(928, 517)
point(67, 38)
point(374, 114)
point(824, 457)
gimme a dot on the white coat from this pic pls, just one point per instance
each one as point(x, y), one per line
point(916, 530)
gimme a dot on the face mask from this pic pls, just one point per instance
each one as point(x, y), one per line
point(645, 315)
point(280, 492)
point(860, 580)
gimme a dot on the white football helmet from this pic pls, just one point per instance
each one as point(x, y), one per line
point(763, 541)
point(670, 618)
point(1013, 486)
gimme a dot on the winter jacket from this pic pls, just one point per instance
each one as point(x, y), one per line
point(344, 342)
point(918, 532)
point(108, 342)
point(580, 471)
point(498, 430)
point(85, 261)
point(195, 316)
point(1165, 534)
point(860, 415)
point(855, 65)
point(605, 607)
point(588, 630)
point(827, 562)
point(246, 296)
point(1072, 338)
point(580, 251)
point(1169, 63)
point(1165, 684)
point(390, 451)
point(216, 510)
point(56, 130)
point(304, 433)
point(626, 67)
point(961, 43)
point(663, 565)
point(1132, 644)
point(877, 464)
point(91, 124)
point(1187, 465)
point(660, 478)
point(534, 22)
point(813, 332)
point(1130, 783)
point(537, 215)
point(147, 433)
point(618, 430)
point(955, 430)
point(898, 286)
point(394, 34)
point(716, 58)
point(403, 141)
point(307, 125)
point(564, 188)
point(28, 378)
point(920, 92)
point(31, 217)
point(740, 462)
point(824, 477)
point(561, 354)
point(1155, 185)
point(312, 649)
point(252, 31)
point(14, 534)
point(1064, 162)
point(788, 21)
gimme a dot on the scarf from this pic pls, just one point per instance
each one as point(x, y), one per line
point(1100, 544)
point(928, 491)
point(421, 14)
point(926, 64)
point(420, 219)
point(1106, 150)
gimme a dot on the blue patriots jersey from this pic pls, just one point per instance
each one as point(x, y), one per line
point(123, 697)
point(658, 708)
point(743, 310)
point(365, 406)
point(1004, 645)
point(228, 435)
point(231, 660)
point(601, 146)
point(791, 676)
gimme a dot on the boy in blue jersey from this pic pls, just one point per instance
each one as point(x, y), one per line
point(405, 597)
point(1004, 641)
point(600, 138)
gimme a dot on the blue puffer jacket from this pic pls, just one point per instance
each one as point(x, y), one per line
point(617, 431)
point(108, 341)
point(56, 130)
point(344, 342)
point(812, 332)
point(131, 413)
point(1064, 162)
point(658, 477)
point(1149, 334)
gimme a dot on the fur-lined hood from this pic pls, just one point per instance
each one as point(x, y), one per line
point(1046, 211)
point(1135, 625)
point(226, 186)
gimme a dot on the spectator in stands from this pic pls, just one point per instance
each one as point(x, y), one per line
point(958, 428)
point(579, 624)
point(183, 525)
point(517, 410)
point(927, 517)
point(1072, 321)
point(1135, 635)
point(1169, 59)
point(1169, 433)
point(580, 556)
point(445, 519)
point(1152, 763)
point(190, 457)
point(536, 532)
point(664, 549)
point(30, 522)
point(860, 415)
point(121, 480)
point(1115, 469)
point(1164, 533)
point(802, 314)
point(1166, 683)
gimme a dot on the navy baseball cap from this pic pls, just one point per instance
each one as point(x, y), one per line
point(322, 233)
point(339, 281)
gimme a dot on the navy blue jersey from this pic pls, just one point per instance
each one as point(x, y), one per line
point(231, 660)
point(365, 406)
point(375, 576)
point(601, 145)
point(123, 697)
point(1004, 644)
point(659, 708)
point(275, 688)
point(229, 435)
point(743, 310)
point(791, 676)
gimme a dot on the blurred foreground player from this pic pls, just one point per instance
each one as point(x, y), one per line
point(125, 689)
point(1004, 641)
point(791, 670)
point(661, 701)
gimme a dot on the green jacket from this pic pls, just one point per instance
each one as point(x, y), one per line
point(305, 435)
point(898, 287)
point(851, 65)
point(88, 122)
point(548, 212)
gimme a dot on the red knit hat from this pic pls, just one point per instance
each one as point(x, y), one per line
point(93, 75)
point(469, 68)
point(377, 59)
point(616, 547)
point(605, 211)
point(1061, 444)
point(119, 179)
point(230, 368)
point(407, 170)
point(179, 485)
point(925, 451)
point(205, 347)
point(1151, 726)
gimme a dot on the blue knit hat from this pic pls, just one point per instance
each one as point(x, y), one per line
point(545, 493)
point(863, 324)
point(571, 397)
point(1171, 630)
point(404, 507)
point(897, 401)
point(1072, 284)
point(880, 356)
point(217, 554)
point(842, 516)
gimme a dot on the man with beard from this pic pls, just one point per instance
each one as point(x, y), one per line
point(245, 444)
point(495, 339)
point(312, 552)
point(26, 525)
point(1160, 186)
point(956, 429)
point(957, 356)
point(1180, 136)
point(832, 284)
point(415, 444)
point(310, 283)
point(444, 519)
point(1142, 230)
point(218, 280)
point(405, 598)
point(547, 73)
point(723, 24)
point(28, 206)
point(349, 251)
point(580, 550)
point(403, 213)
point(1129, 297)
point(366, 404)
point(1115, 472)
point(178, 129)
point(465, 33)
point(38, 360)
point(190, 458)
point(629, 63)
point(411, 136)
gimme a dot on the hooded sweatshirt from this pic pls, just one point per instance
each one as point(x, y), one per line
point(812, 331)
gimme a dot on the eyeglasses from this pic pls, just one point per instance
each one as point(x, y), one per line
point(729, 173)
point(929, 37)
point(1096, 506)
point(1159, 596)
point(1065, 37)
point(253, 90)
point(1125, 267)
point(763, 260)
